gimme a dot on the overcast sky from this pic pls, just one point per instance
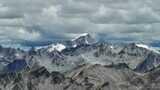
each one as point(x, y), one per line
point(47, 20)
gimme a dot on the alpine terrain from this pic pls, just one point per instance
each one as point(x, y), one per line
point(82, 63)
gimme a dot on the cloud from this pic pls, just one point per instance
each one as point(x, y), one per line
point(40, 21)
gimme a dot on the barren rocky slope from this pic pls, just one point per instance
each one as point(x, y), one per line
point(85, 77)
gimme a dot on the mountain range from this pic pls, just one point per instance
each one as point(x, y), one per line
point(81, 63)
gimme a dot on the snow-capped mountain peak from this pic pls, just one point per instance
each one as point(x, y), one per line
point(80, 35)
point(83, 39)
point(58, 47)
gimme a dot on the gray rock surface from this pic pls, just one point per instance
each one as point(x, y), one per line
point(84, 77)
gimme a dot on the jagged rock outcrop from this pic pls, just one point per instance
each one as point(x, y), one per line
point(84, 77)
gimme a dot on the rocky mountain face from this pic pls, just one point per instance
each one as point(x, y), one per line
point(84, 77)
point(82, 64)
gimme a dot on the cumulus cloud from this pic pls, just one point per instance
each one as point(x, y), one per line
point(39, 20)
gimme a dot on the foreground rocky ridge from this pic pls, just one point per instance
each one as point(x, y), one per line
point(85, 77)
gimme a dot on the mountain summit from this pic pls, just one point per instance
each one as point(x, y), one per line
point(83, 39)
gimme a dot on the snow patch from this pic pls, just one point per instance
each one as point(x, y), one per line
point(74, 46)
point(112, 47)
point(147, 47)
point(86, 42)
point(143, 46)
point(17, 54)
point(58, 47)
